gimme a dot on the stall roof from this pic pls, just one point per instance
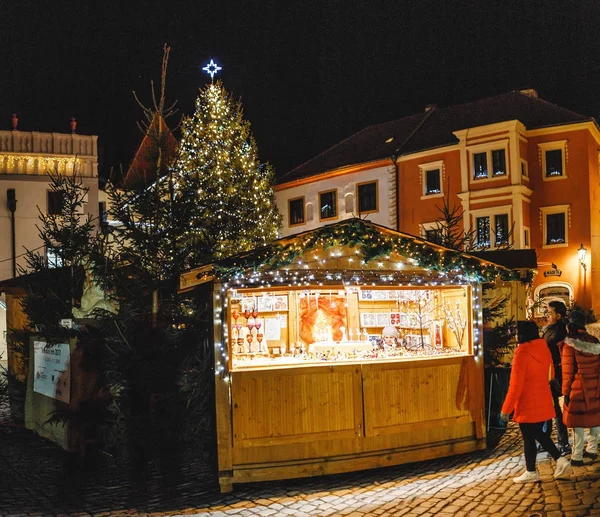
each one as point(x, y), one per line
point(349, 252)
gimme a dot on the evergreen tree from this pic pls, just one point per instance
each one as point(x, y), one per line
point(218, 167)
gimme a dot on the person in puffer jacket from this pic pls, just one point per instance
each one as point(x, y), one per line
point(581, 386)
point(530, 398)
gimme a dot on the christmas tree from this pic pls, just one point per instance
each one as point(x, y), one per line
point(218, 167)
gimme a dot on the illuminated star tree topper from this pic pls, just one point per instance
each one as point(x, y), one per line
point(212, 68)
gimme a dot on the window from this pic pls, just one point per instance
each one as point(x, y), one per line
point(296, 211)
point(367, 197)
point(434, 235)
point(55, 203)
point(492, 230)
point(524, 171)
point(482, 225)
point(499, 162)
point(488, 161)
point(480, 169)
point(328, 204)
point(501, 227)
point(53, 258)
point(431, 178)
point(433, 232)
point(526, 238)
point(553, 156)
point(552, 291)
point(555, 221)
point(555, 229)
point(432, 185)
point(480, 164)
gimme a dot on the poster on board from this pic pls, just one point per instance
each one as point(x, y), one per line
point(52, 375)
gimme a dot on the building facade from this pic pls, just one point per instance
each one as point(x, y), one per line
point(26, 157)
point(523, 172)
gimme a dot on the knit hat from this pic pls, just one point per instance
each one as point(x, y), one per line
point(577, 317)
point(389, 331)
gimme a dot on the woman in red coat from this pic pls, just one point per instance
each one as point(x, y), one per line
point(581, 386)
point(530, 398)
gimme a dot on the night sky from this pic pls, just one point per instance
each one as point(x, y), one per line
point(309, 73)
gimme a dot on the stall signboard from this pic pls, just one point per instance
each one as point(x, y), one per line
point(52, 375)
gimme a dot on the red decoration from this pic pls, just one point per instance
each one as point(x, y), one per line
point(73, 122)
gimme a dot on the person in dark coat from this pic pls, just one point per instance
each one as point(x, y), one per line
point(581, 386)
point(554, 333)
point(530, 398)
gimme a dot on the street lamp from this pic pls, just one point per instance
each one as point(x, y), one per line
point(581, 252)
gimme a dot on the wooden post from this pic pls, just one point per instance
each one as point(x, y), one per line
point(222, 394)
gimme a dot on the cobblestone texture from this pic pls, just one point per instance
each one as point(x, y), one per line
point(33, 483)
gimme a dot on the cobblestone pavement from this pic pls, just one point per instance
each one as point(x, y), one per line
point(32, 482)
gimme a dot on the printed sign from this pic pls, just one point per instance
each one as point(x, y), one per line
point(52, 375)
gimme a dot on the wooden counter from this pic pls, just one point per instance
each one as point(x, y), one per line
point(324, 419)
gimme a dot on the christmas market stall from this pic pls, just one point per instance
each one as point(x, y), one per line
point(347, 347)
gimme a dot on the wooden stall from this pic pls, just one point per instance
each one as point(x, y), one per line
point(345, 348)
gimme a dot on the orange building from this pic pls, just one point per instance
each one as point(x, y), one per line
point(524, 172)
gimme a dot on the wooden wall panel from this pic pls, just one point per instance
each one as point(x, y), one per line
point(274, 407)
point(404, 397)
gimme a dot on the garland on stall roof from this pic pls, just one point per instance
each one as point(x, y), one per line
point(373, 244)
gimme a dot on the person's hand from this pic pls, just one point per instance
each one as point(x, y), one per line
point(504, 417)
point(567, 400)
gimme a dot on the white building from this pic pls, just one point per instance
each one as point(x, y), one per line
point(25, 159)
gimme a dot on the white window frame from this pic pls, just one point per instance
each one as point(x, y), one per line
point(550, 210)
point(536, 295)
point(552, 146)
point(492, 213)
point(487, 148)
point(423, 168)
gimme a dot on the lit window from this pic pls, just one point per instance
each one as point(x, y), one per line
point(554, 166)
point(367, 197)
point(55, 203)
point(432, 184)
point(483, 232)
point(555, 225)
point(431, 178)
point(480, 169)
point(555, 229)
point(296, 211)
point(328, 204)
point(53, 257)
point(491, 230)
point(554, 159)
point(488, 160)
point(501, 227)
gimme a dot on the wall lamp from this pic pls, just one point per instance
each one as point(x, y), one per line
point(581, 252)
